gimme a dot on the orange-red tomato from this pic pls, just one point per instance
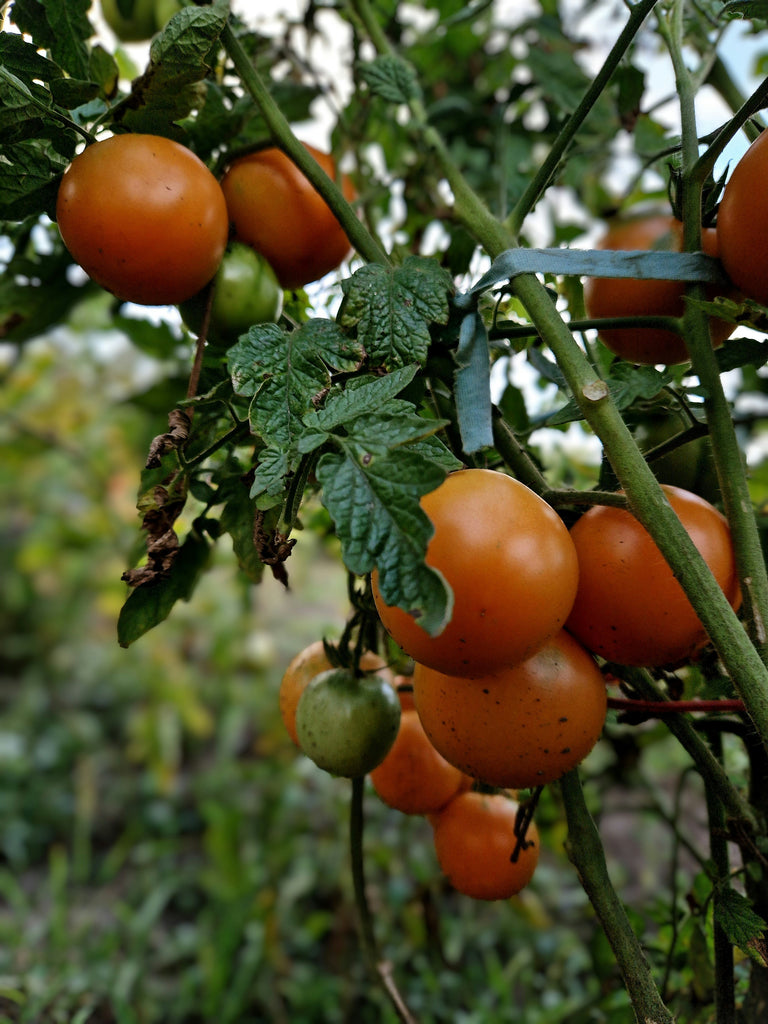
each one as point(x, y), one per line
point(475, 837)
point(302, 670)
point(522, 727)
point(414, 778)
point(510, 562)
point(274, 209)
point(144, 217)
point(742, 222)
point(629, 607)
point(612, 297)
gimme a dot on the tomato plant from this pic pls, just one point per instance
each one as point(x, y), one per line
point(522, 726)
point(302, 669)
point(430, 417)
point(742, 220)
point(476, 835)
point(346, 723)
point(629, 607)
point(509, 561)
point(274, 209)
point(414, 778)
point(245, 292)
point(626, 297)
point(144, 217)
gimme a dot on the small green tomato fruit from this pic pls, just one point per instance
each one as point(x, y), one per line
point(346, 724)
point(246, 292)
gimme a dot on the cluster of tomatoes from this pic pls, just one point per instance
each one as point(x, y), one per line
point(147, 220)
point(510, 695)
point(352, 723)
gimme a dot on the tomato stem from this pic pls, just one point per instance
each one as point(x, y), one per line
point(382, 968)
point(546, 172)
point(586, 852)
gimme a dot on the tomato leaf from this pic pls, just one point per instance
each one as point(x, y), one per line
point(392, 309)
point(745, 929)
point(62, 27)
point(374, 502)
point(151, 603)
point(286, 374)
point(172, 84)
point(391, 78)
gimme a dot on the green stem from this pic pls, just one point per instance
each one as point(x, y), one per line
point(368, 247)
point(586, 853)
point(548, 169)
point(381, 968)
point(725, 996)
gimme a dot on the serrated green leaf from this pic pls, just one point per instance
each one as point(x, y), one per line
point(287, 373)
point(357, 397)
point(380, 523)
point(29, 176)
point(272, 469)
point(172, 84)
point(392, 309)
point(60, 26)
point(150, 604)
point(392, 78)
point(25, 62)
point(744, 928)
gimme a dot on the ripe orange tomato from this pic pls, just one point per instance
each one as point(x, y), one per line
point(611, 297)
point(742, 222)
point(274, 209)
point(523, 726)
point(629, 607)
point(508, 558)
point(144, 217)
point(475, 838)
point(414, 778)
point(302, 670)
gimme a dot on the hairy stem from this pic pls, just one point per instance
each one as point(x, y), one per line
point(586, 853)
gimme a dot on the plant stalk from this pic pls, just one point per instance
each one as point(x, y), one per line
point(543, 177)
point(585, 851)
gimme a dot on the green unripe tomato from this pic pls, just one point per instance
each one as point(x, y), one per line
point(164, 11)
point(141, 24)
point(147, 18)
point(690, 466)
point(346, 724)
point(246, 292)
